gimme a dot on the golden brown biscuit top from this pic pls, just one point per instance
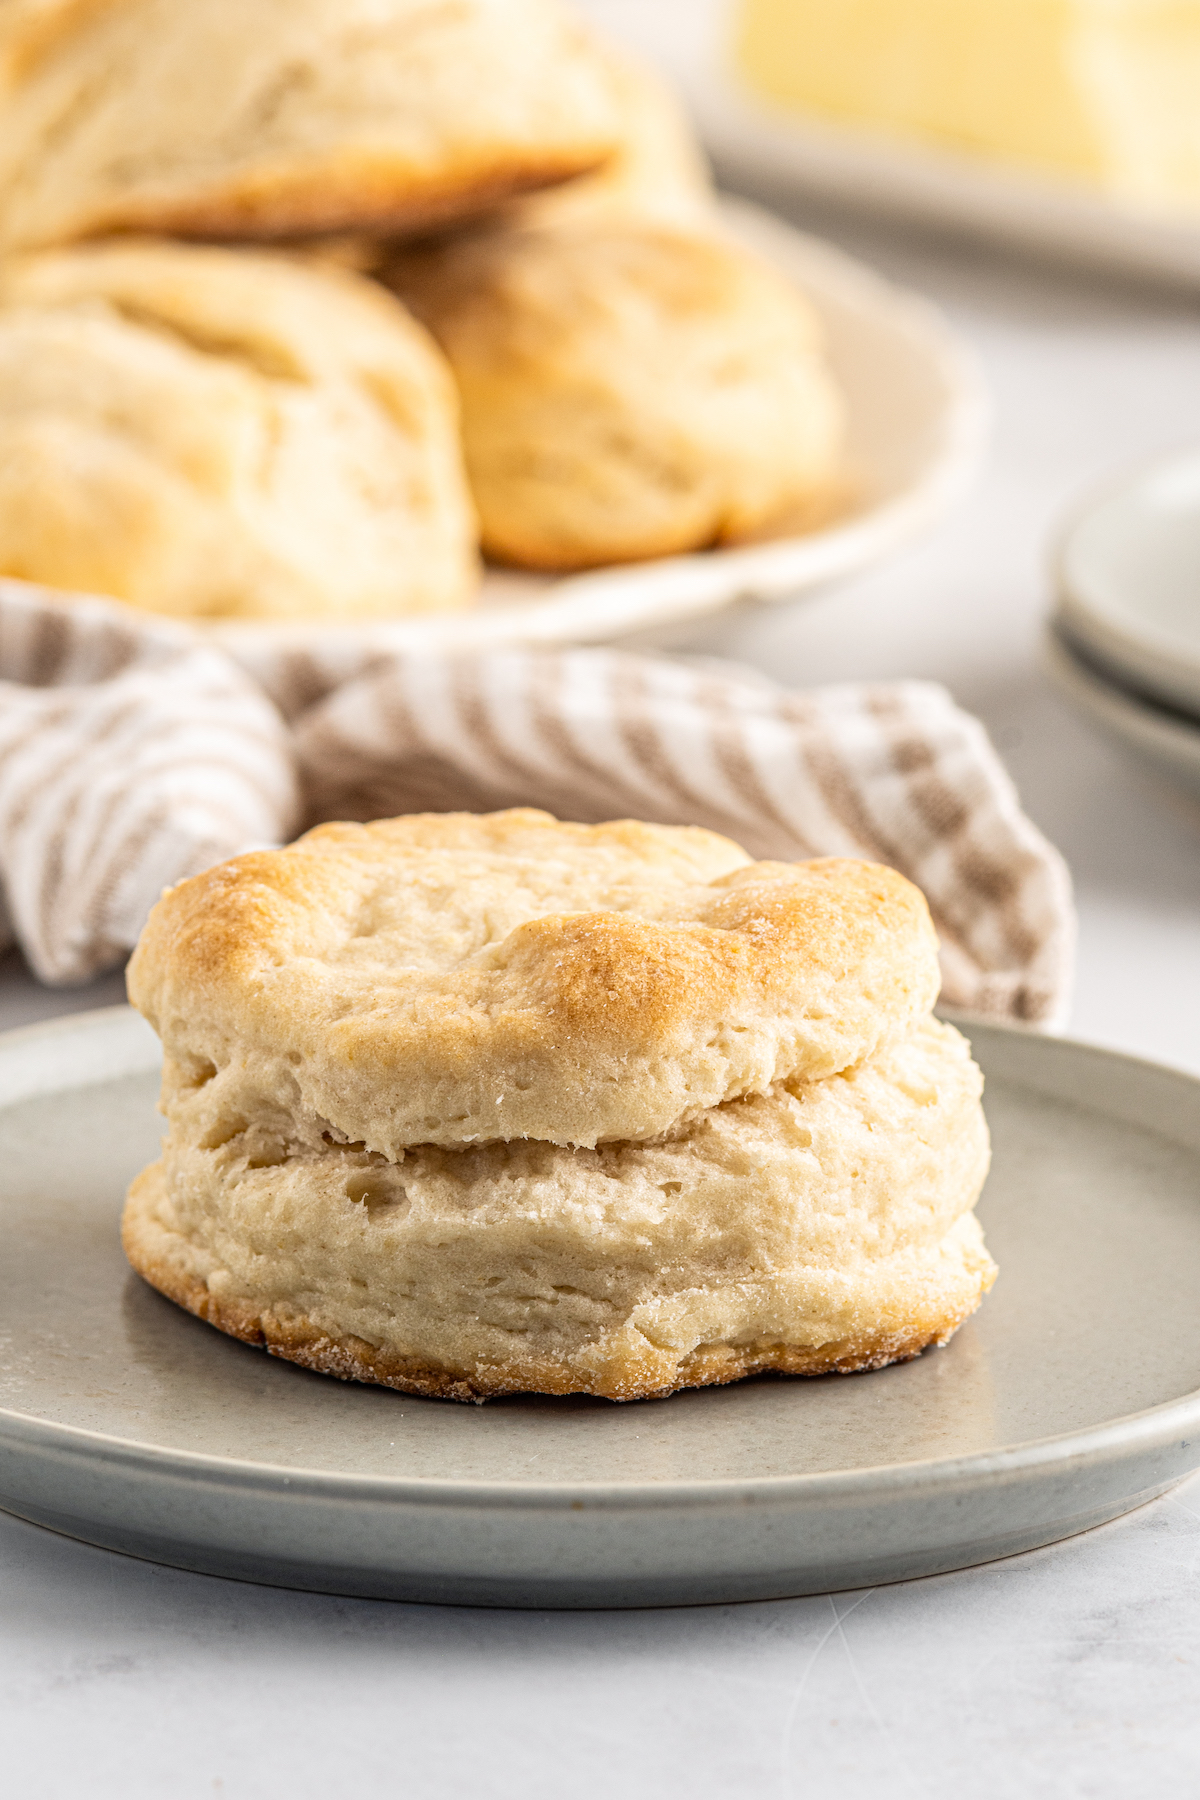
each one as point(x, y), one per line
point(452, 979)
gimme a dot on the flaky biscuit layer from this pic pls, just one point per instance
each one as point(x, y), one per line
point(823, 1226)
point(453, 978)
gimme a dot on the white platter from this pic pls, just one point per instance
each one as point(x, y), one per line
point(917, 423)
point(1127, 570)
point(1073, 1395)
point(758, 144)
point(1164, 741)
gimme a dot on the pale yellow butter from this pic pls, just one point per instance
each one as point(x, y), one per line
point(1105, 92)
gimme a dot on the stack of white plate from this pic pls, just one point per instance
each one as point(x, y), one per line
point(1124, 645)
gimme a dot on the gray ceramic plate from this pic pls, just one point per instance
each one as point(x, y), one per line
point(1070, 1398)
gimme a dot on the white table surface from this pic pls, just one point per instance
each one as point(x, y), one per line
point(1074, 1671)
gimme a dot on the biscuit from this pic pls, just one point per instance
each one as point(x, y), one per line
point(821, 1226)
point(207, 432)
point(629, 390)
point(261, 118)
point(452, 978)
point(658, 170)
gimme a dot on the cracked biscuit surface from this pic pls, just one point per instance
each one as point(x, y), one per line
point(824, 1225)
point(206, 432)
point(261, 118)
point(455, 978)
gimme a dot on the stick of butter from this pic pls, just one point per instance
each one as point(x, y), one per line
point(1103, 92)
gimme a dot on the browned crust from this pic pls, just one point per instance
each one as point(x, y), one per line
point(364, 196)
point(352, 1359)
point(602, 1011)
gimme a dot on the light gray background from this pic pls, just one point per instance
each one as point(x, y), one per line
point(1074, 1671)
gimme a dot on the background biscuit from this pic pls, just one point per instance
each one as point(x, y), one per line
point(657, 171)
point(257, 118)
point(200, 431)
point(629, 390)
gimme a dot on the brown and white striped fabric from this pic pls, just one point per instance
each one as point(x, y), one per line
point(132, 754)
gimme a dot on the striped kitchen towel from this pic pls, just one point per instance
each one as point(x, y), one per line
point(132, 753)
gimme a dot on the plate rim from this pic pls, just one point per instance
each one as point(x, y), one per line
point(1097, 1445)
point(1135, 652)
point(1147, 1429)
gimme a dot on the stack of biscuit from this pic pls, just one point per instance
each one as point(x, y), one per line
point(257, 425)
point(474, 1105)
